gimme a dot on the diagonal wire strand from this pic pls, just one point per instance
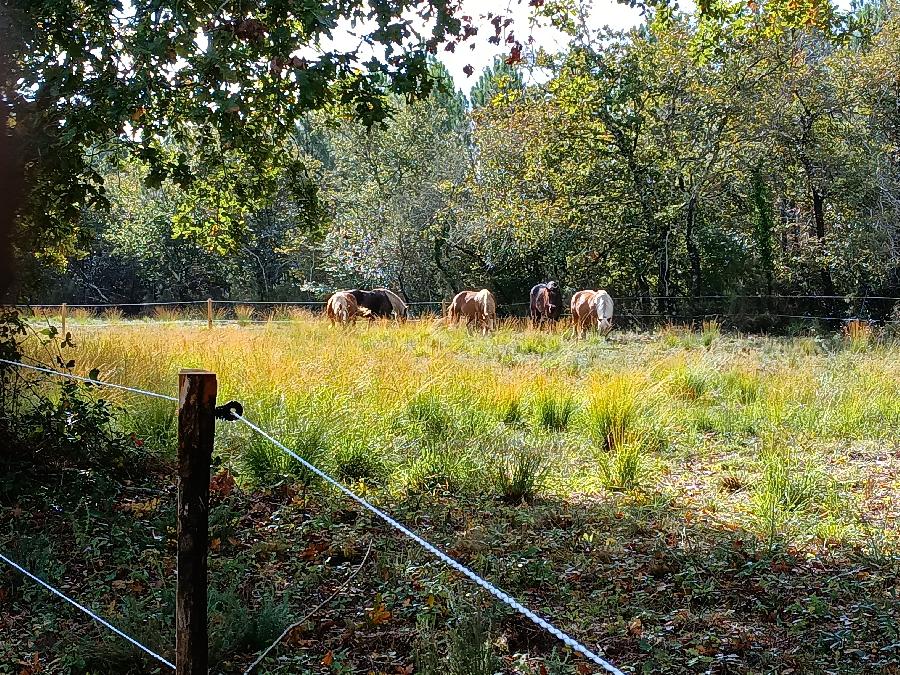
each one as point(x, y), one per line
point(89, 380)
point(84, 609)
point(459, 567)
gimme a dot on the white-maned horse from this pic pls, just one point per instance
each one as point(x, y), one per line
point(590, 308)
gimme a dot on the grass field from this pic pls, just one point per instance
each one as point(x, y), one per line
point(686, 501)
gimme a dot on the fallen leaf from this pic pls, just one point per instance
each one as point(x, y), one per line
point(379, 614)
point(329, 659)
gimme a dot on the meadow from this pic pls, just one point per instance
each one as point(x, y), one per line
point(684, 500)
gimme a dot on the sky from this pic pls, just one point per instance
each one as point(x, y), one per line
point(604, 13)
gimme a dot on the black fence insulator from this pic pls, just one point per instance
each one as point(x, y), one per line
point(228, 411)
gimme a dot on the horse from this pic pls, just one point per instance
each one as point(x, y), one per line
point(341, 308)
point(545, 303)
point(589, 307)
point(373, 304)
point(487, 308)
point(477, 307)
point(399, 307)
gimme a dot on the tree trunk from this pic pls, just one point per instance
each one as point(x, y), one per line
point(819, 215)
point(692, 250)
point(662, 281)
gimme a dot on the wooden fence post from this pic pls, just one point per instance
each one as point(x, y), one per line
point(196, 428)
point(209, 313)
point(63, 310)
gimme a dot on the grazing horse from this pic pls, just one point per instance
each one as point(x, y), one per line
point(487, 310)
point(475, 307)
point(399, 307)
point(373, 304)
point(341, 308)
point(590, 307)
point(546, 303)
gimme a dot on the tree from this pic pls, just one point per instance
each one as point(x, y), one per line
point(391, 190)
point(499, 79)
point(191, 88)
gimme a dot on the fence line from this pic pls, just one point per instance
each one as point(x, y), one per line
point(629, 298)
point(443, 557)
point(84, 609)
point(440, 555)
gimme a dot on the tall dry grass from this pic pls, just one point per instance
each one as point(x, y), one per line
point(422, 408)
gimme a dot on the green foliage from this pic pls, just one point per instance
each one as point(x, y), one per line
point(264, 464)
point(221, 83)
point(360, 463)
point(468, 647)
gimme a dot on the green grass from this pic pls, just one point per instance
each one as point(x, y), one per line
point(663, 477)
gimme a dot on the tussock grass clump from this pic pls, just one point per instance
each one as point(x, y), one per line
point(622, 439)
point(741, 385)
point(520, 470)
point(359, 463)
point(113, 314)
point(690, 384)
point(511, 410)
point(429, 415)
point(553, 411)
point(468, 648)
point(612, 411)
point(539, 343)
point(81, 314)
point(624, 467)
point(167, 313)
point(244, 313)
point(444, 469)
point(709, 332)
point(858, 335)
point(788, 485)
point(263, 464)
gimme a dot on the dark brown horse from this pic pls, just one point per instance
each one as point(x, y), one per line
point(377, 303)
point(546, 303)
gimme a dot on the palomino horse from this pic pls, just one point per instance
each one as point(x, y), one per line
point(590, 308)
point(341, 308)
point(546, 303)
point(478, 308)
